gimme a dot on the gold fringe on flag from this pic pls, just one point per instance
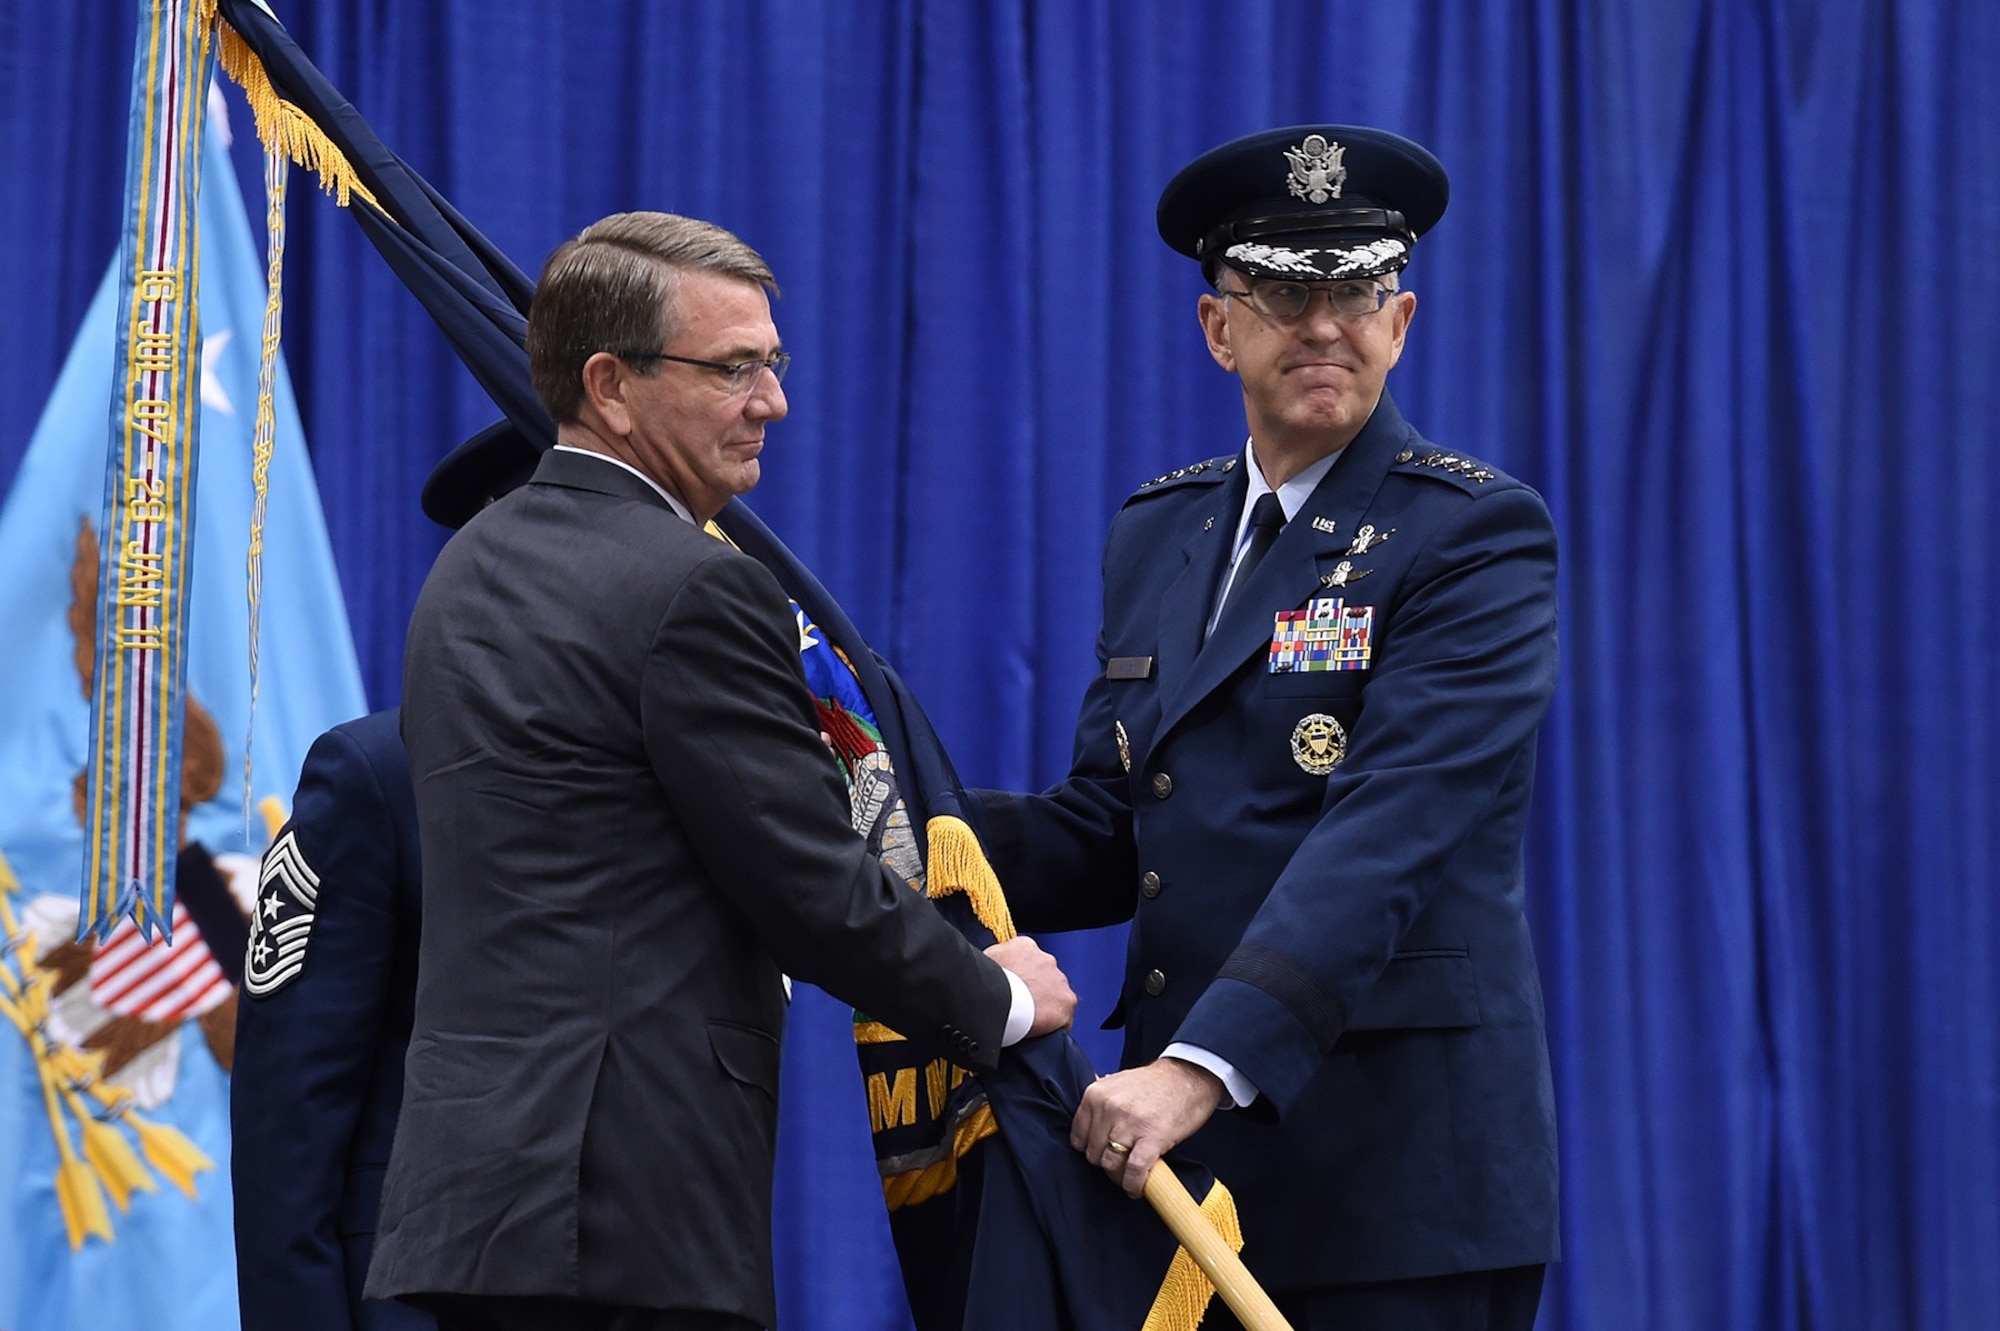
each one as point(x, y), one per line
point(283, 127)
point(1185, 1293)
point(957, 864)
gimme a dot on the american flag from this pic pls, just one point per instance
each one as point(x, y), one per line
point(158, 981)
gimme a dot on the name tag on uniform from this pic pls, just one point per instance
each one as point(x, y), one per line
point(1327, 635)
point(1129, 667)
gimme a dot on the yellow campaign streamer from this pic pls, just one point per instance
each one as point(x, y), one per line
point(132, 786)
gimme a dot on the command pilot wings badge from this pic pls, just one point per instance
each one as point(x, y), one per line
point(1343, 573)
point(1368, 538)
point(287, 897)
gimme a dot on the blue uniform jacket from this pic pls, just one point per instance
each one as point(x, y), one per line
point(1323, 867)
point(320, 1037)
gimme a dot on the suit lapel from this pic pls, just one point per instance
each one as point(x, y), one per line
point(595, 473)
point(1184, 609)
point(1310, 548)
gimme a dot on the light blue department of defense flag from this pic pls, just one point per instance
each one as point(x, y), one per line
point(168, 1262)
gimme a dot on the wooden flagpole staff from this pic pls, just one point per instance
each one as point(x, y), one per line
point(1217, 1260)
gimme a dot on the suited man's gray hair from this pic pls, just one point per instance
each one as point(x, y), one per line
point(611, 288)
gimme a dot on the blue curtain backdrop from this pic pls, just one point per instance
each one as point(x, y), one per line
point(1720, 277)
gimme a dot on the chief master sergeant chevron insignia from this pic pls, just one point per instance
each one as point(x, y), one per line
point(287, 893)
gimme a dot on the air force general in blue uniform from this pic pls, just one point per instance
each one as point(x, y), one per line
point(1303, 773)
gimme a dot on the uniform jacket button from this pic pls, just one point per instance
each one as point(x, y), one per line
point(1163, 785)
point(1150, 884)
point(1156, 982)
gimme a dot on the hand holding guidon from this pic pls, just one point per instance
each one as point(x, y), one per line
point(1055, 1001)
point(1126, 1123)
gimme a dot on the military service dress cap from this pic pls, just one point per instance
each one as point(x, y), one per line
point(1312, 202)
point(477, 472)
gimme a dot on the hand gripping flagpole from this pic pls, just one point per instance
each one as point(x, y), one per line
point(1212, 1253)
point(959, 864)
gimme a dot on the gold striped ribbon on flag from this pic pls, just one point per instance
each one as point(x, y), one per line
point(132, 780)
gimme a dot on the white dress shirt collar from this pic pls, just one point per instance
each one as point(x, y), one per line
point(1292, 496)
point(658, 489)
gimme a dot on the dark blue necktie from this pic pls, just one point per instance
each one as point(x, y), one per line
point(1267, 519)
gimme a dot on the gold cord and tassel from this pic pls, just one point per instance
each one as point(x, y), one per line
point(288, 134)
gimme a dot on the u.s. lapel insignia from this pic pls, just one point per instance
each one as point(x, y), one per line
point(1343, 574)
point(1368, 538)
point(1318, 744)
point(1317, 173)
point(1325, 526)
point(1124, 745)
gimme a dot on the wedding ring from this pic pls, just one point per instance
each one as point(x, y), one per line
point(1117, 1148)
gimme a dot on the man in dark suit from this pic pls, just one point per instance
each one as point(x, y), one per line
point(1303, 774)
point(631, 832)
point(330, 979)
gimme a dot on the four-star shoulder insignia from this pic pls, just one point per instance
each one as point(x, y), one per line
point(287, 896)
point(1220, 466)
point(1451, 462)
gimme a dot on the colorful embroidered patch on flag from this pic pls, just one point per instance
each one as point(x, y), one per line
point(1326, 635)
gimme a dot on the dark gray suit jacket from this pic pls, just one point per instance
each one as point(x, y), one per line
point(630, 827)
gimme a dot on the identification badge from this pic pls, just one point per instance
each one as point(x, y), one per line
point(1327, 634)
point(1318, 744)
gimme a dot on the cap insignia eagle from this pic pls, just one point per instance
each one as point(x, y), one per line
point(1317, 173)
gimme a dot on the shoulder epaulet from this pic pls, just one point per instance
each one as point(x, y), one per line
point(1211, 471)
point(1469, 473)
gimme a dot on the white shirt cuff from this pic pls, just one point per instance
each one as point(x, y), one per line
point(1021, 1015)
point(1235, 1083)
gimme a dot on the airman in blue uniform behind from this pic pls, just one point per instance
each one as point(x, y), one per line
point(330, 980)
point(1303, 772)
